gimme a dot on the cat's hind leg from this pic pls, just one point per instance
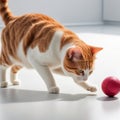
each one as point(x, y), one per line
point(13, 74)
point(3, 82)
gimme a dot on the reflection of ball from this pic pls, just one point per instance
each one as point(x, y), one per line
point(111, 86)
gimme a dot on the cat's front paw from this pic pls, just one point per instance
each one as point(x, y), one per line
point(54, 90)
point(92, 89)
point(4, 85)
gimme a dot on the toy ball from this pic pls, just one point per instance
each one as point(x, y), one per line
point(111, 86)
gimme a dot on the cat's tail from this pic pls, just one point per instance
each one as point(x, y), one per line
point(5, 12)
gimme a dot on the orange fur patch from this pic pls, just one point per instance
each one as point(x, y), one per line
point(15, 68)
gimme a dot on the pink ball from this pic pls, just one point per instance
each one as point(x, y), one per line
point(111, 86)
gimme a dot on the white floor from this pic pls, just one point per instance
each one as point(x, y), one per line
point(30, 100)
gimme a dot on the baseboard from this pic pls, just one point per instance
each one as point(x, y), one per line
point(82, 24)
point(108, 22)
point(75, 24)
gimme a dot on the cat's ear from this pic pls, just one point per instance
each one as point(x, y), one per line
point(95, 50)
point(74, 54)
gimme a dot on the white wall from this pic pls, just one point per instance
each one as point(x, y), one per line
point(111, 10)
point(68, 12)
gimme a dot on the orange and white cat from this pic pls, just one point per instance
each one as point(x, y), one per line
point(40, 42)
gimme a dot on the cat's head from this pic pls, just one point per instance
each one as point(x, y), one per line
point(79, 63)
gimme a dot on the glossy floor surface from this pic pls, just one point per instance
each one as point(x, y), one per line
point(31, 101)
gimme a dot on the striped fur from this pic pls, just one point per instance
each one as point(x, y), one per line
point(38, 30)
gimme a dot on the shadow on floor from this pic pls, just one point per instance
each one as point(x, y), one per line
point(109, 103)
point(105, 98)
point(19, 96)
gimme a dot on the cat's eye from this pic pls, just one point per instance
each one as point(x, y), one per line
point(90, 72)
point(81, 72)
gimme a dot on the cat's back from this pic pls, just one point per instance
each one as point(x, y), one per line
point(30, 29)
point(26, 25)
point(20, 25)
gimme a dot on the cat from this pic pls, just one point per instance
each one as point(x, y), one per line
point(40, 42)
